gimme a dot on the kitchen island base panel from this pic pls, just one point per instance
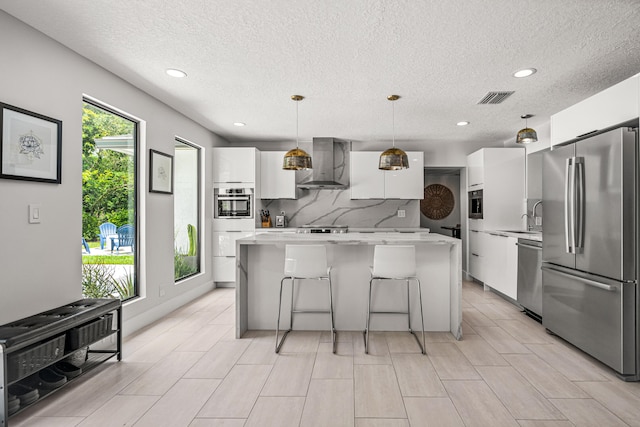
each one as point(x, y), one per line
point(260, 269)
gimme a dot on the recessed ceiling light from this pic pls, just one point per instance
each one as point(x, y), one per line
point(176, 73)
point(462, 123)
point(239, 124)
point(525, 72)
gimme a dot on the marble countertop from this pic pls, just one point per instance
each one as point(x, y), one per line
point(353, 238)
point(531, 235)
point(351, 230)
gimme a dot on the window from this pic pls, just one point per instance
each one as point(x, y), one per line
point(109, 190)
point(186, 202)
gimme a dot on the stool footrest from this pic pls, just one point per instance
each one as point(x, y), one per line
point(311, 311)
point(389, 312)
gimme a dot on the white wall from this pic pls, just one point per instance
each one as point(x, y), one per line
point(40, 264)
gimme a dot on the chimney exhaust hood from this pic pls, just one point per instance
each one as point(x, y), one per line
point(330, 160)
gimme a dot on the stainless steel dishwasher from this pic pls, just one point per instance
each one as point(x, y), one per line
point(530, 277)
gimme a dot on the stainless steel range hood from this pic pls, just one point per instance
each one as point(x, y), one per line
point(330, 158)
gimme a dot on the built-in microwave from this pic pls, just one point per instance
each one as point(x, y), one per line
point(233, 202)
point(475, 204)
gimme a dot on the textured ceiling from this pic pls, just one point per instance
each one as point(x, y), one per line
point(244, 58)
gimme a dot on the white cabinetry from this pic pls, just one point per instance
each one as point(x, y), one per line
point(612, 106)
point(501, 264)
point(275, 182)
point(500, 174)
point(477, 253)
point(234, 164)
point(232, 167)
point(224, 254)
point(369, 182)
point(475, 169)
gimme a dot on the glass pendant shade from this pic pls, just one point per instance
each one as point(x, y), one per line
point(393, 159)
point(296, 159)
point(526, 136)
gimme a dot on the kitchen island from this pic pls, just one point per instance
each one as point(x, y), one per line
point(260, 265)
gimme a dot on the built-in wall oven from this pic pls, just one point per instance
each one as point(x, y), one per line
point(233, 202)
point(475, 204)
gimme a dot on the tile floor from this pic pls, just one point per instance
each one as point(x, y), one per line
point(188, 370)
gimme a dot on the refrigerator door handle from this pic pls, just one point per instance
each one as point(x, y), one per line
point(582, 279)
point(567, 206)
point(579, 201)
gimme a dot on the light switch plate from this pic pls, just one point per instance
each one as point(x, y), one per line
point(35, 213)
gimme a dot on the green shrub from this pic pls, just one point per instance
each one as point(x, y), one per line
point(182, 267)
point(125, 286)
point(97, 281)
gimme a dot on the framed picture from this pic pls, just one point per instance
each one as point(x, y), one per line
point(160, 172)
point(31, 146)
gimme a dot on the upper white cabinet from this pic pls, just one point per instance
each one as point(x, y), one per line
point(500, 174)
point(369, 182)
point(475, 170)
point(275, 182)
point(612, 106)
point(406, 183)
point(234, 164)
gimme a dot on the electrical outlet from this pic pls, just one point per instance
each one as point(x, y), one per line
point(401, 213)
point(161, 292)
point(538, 220)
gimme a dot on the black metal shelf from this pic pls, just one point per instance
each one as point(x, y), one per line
point(29, 333)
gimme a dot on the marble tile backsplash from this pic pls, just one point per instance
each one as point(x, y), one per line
point(334, 207)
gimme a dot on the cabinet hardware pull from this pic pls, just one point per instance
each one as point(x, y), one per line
point(588, 133)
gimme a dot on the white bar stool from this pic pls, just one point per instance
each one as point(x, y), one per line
point(305, 262)
point(394, 262)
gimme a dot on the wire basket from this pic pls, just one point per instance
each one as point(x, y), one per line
point(88, 333)
point(34, 358)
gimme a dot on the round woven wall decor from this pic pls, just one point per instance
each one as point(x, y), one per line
point(438, 202)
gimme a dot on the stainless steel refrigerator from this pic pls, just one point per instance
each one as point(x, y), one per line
point(590, 247)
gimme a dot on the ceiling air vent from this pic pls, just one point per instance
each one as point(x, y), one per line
point(495, 97)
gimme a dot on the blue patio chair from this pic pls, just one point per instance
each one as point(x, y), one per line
point(86, 246)
point(126, 237)
point(107, 230)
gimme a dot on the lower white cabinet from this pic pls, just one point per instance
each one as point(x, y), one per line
point(477, 253)
point(224, 254)
point(224, 268)
point(501, 262)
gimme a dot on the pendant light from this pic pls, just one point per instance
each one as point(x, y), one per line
point(527, 134)
point(393, 158)
point(296, 159)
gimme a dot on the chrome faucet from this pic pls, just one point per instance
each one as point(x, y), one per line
point(535, 206)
